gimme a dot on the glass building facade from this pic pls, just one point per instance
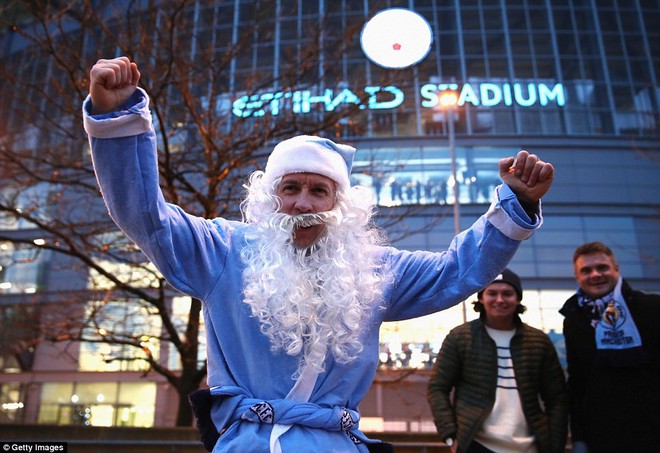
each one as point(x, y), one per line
point(574, 81)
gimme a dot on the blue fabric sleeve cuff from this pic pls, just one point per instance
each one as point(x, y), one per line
point(133, 118)
point(509, 217)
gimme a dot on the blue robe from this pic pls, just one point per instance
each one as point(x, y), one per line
point(201, 257)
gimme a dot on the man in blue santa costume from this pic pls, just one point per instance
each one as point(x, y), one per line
point(293, 295)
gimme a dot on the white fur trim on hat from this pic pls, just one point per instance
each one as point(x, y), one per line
point(310, 154)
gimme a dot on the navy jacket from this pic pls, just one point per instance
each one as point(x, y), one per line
point(615, 398)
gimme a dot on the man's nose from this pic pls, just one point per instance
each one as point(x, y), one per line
point(304, 203)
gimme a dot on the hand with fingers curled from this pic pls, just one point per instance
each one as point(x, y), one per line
point(527, 175)
point(112, 82)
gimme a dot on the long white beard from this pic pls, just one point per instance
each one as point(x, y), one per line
point(312, 301)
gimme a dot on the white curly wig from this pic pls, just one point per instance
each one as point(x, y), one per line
point(312, 301)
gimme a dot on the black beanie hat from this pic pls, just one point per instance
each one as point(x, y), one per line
point(507, 276)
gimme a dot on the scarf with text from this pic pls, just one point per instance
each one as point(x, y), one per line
point(610, 317)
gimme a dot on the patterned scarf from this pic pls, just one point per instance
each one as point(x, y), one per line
point(610, 317)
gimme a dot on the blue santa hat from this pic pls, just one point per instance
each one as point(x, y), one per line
point(311, 154)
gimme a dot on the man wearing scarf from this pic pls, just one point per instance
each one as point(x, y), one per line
point(294, 295)
point(613, 354)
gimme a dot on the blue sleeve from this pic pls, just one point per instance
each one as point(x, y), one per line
point(427, 282)
point(189, 251)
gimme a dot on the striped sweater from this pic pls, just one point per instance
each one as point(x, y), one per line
point(468, 365)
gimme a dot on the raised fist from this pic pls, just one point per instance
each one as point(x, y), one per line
point(112, 82)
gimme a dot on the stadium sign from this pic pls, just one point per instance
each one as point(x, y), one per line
point(525, 94)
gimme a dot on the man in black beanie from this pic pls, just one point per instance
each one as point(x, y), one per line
point(500, 370)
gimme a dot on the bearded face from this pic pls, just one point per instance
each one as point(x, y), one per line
point(306, 193)
point(311, 301)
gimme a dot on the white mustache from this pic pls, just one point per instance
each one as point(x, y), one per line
point(291, 222)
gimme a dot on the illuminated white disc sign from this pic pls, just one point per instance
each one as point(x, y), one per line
point(396, 38)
